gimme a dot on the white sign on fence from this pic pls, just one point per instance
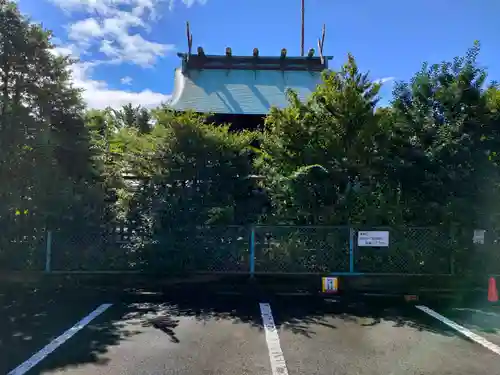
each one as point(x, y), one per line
point(373, 238)
point(478, 236)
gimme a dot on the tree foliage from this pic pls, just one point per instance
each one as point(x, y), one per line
point(430, 158)
point(320, 153)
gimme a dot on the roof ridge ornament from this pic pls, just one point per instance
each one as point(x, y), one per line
point(321, 43)
point(189, 39)
point(302, 28)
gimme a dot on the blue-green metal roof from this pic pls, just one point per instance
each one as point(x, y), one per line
point(240, 90)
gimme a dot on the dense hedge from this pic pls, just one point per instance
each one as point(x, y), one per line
point(429, 159)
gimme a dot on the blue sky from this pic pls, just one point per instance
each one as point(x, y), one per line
point(127, 48)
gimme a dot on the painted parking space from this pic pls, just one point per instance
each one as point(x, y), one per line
point(360, 338)
point(481, 320)
point(30, 320)
point(231, 334)
point(181, 336)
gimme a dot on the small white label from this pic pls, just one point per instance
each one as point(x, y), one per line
point(373, 238)
point(478, 236)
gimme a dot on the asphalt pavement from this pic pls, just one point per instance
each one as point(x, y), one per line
point(196, 333)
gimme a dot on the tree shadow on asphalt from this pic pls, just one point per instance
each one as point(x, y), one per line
point(480, 319)
point(300, 318)
point(30, 321)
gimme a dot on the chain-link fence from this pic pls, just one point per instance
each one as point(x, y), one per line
point(293, 249)
point(214, 249)
point(92, 249)
point(476, 258)
point(22, 244)
point(194, 249)
point(248, 250)
point(410, 250)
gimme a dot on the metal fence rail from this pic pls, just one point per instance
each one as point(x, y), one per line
point(261, 249)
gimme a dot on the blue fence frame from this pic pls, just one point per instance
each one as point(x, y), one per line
point(260, 249)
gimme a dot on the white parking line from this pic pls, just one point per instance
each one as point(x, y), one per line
point(462, 330)
point(36, 358)
point(278, 365)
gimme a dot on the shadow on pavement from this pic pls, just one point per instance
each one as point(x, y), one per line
point(484, 320)
point(298, 316)
point(31, 319)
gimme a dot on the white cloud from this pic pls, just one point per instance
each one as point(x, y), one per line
point(112, 34)
point(82, 5)
point(106, 25)
point(97, 94)
point(384, 80)
point(84, 30)
point(143, 6)
point(121, 22)
point(187, 3)
point(107, 7)
point(134, 48)
point(108, 48)
point(69, 50)
point(126, 80)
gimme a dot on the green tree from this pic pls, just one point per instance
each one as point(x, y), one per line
point(133, 117)
point(446, 132)
point(46, 161)
point(196, 177)
point(321, 154)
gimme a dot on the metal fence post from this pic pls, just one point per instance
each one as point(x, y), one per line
point(351, 250)
point(252, 252)
point(48, 251)
point(452, 242)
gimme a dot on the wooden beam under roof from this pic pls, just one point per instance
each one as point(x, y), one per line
point(196, 62)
